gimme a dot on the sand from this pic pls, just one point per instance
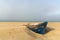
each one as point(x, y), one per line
point(17, 31)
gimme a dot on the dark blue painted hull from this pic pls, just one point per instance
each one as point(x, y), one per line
point(40, 28)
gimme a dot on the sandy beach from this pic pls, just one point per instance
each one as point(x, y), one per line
point(17, 31)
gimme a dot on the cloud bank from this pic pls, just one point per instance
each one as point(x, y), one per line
point(29, 10)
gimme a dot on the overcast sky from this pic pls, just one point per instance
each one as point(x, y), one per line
point(29, 10)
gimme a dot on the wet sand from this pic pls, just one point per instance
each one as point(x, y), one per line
point(17, 31)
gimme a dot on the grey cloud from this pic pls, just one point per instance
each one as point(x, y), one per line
point(25, 10)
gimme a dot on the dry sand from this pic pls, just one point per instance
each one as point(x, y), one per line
point(17, 31)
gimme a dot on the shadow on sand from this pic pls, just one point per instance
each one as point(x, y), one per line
point(35, 35)
point(48, 29)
